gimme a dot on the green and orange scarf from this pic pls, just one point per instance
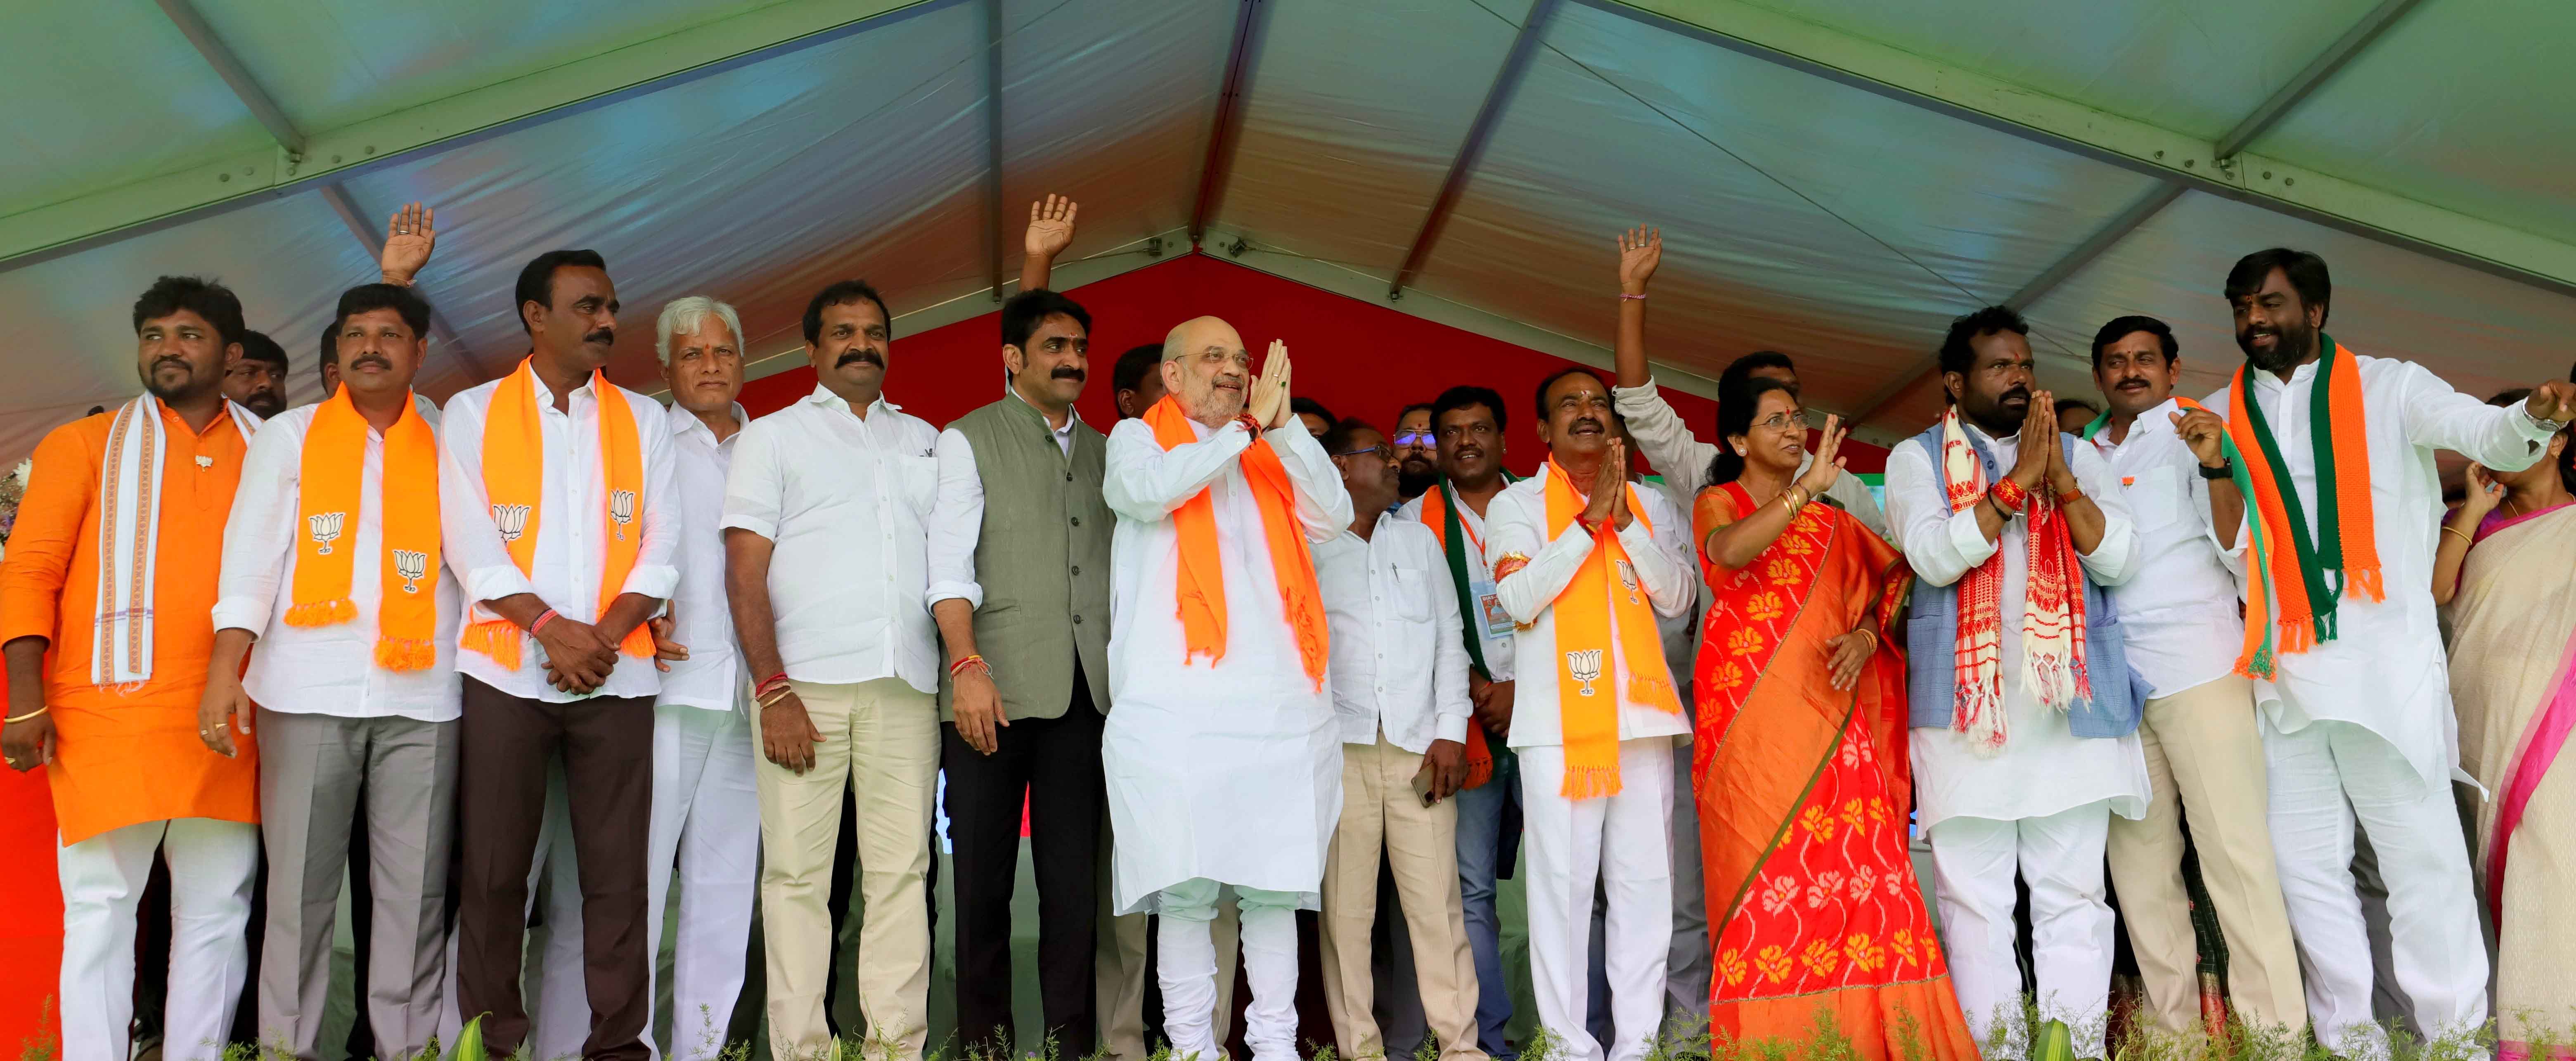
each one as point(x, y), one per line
point(2289, 590)
point(1440, 513)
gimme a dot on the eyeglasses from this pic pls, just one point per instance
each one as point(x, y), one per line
point(1784, 421)
point(1414, 438)
point(1379, 451)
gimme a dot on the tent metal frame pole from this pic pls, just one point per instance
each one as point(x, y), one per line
point(993, 225)
point(2261, 120)
point(38, 233)
point(237, 76)
point(1229, 118)
point(2317, 196)
point(2073, 261)
point(1498, 97)
point(356, 218)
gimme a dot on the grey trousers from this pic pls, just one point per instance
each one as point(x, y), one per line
point(310, 769)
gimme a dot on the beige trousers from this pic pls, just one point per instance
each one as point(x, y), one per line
point(1119, 967)
point(2205, 762)
point(1381, 814)
point(881, 740)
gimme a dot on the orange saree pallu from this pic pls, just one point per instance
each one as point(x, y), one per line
point(1803, 791)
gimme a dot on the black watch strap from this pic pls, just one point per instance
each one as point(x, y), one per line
point(2223, 471)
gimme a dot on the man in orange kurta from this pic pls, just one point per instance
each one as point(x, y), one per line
point(136, 499)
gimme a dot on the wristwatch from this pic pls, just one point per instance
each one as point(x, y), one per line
point(2225, 470)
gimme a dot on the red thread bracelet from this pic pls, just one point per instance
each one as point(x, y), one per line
point(977, 661)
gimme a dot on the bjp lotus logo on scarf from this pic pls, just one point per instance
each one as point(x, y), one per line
point(511, 519)
point(411, 566)
point(621, 507)
point(1585, 665)
point(1628, 578)
point(325, 527)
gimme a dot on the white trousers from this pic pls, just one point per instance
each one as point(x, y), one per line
point(559, 1017)
point(1622, 842)
point(212, 865)
point(1973, 861)
point(1186, 969)
point(2326, 776)
point(706, 820)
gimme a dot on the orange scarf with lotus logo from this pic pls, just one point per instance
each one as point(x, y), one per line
point(1592, 610)
point(514, 475)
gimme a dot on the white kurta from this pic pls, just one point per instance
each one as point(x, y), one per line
point(2385, 670)
point(1229, 770)
point(2044, 767)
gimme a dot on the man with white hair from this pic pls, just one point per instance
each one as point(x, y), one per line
point(1223, 760)
point(706, 810)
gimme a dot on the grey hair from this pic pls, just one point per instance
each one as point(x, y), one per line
point(682, 316)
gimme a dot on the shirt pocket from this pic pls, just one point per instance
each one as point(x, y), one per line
point(1412, 593)
point(916, 480)
point(2156, 497)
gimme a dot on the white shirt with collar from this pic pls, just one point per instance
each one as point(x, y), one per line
point(1656, 543)
point(571, 548)
point(322, 670)
point(702, 621)
point(957, 518)
point(2044, 768)
point(2178, 612)
point(847, 501)
point(1397, 663)
point(2386, 669)
point(1498, 649)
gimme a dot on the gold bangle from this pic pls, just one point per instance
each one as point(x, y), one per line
point(28, 715)
point(2464, 536)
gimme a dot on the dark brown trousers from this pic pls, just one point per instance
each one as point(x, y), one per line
point(607, 748)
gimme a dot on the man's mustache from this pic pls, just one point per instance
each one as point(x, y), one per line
point(1067, 372)
point(861, 355)
point(172, 359)
point(1582, 422)
point(2022, 393)
point(372, 359)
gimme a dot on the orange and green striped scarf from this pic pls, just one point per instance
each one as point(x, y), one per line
point(1440, 513)
point(2301, 598)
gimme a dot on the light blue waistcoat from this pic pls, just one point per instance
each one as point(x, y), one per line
point(1932, 678)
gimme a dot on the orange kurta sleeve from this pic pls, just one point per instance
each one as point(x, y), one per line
point(50, 517)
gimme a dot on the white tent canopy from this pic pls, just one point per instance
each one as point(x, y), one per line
point(1834, 178)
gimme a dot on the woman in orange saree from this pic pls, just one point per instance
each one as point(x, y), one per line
point(1799, 762)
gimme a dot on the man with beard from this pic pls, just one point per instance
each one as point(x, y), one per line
point(706, 814)
point(257, 381)
point(2203, 750)
point(1417, 451)
point(2024, 741)
point(1020, 591)
point(826, 569)
point(1224, 767)
point(1586, 563)
point(2341, 634)
point(332, 563)
point(564, 530)
point(112, 567)
point(1469, 424)
point(1403, 730)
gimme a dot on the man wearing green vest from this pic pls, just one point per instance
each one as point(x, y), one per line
point(1020, 591)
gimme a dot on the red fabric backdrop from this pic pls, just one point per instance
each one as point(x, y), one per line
point(1358, 358)
point(31, 937)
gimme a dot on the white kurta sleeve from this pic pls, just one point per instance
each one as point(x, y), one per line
point(260, 534)
point(1516, 524)
point(755, 488)
point(1940, 544)
point(2503, 438)
point(956, 523)
point(1670, 448)
point(1450, 706)
point(1657, 555)
point(1145, 482)
point(2115, 558)
point(471, 543)
point(656, 573)
point(1323, 503)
